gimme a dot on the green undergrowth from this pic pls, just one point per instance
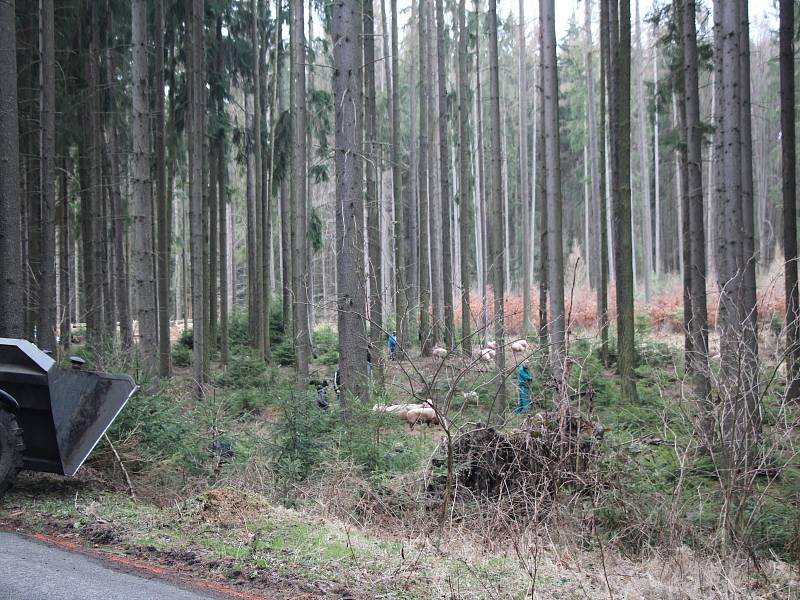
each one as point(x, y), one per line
point(257, 430)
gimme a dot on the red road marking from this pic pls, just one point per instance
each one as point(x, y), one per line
point(141, 566)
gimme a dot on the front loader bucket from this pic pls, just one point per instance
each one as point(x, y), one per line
point(63, 413)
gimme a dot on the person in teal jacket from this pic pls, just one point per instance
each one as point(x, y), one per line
point(524, 379)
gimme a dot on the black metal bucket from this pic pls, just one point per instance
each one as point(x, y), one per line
point(62, 413)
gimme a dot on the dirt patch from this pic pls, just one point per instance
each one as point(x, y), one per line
point(229, 506)
point(102, 535)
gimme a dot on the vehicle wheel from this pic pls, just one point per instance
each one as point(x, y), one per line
point(11, 448)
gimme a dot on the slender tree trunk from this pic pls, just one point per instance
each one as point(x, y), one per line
point(402, 290)
point(105, 318)
point(64, 317)
point(257, 275)
point(275, 113)
point(465, 182)
point(694, 199)
point(789, 179)
point(265, 199)
point(644, 164)
point(482, 187)
point(497, 238)
point(555, 265)
point(252, 225)
point(349, 200)
point(47, 283)
point(527, 327)
point(222, 208)
point(143, 276)
point(119, 210)
point(619, 96)
point(602, 289)
point(195, 50)
point(713, 161)
point(749, 258)
point(738, 433)
point(424, 198)
point(541, 176)
point(11, 281)
point(286, 220)
point(681, 191)
point(299, 191)
point(373, 203)
point(90, 181)
point(213, 236)
point(594, 158)
point(31, 159)
point(444, 180)
point(162, 202)
point(434, 215)
point(656, 165)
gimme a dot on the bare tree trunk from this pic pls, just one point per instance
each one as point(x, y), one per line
point(602, 290)
point(656, 166)
point(423, 195)
point(482, 187)
point(444, 180)
point(275, 115)
point(619, 64)
point(748, 248)
point(497, 240)
point(434, 220)
point(47, 283)
point(265, 200)
point(694, 198)
point(64, 317)
point(286, 220)
point(644, 164)
point(90, 182)
point(195, 50)
point(465, 182)
point(402, 290)
point(257, 274)
point(30, 160)
point(594, 153)
point(252, 224)
point(161, 198)
point(555, 265)
point(527, 327)
point(681, 191)
point(11, 281)
point(118, 223)
point(373, 204)
point(299, 191)
point(738, 433)
point(789, 178)
point(222, 210)
point(349, 200)
point(143, 276)
point(541, 177)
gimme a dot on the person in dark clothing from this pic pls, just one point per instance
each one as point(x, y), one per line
point(322, 393)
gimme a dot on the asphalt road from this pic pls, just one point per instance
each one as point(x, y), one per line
point(33, 571)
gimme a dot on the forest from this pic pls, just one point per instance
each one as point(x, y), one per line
point(423, 298)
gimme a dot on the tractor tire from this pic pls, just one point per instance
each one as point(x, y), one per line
point(11, 449)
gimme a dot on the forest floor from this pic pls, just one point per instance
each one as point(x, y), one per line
point(257, 491)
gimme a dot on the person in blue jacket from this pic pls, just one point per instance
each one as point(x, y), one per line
point(392, 344)
point(524, 379)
